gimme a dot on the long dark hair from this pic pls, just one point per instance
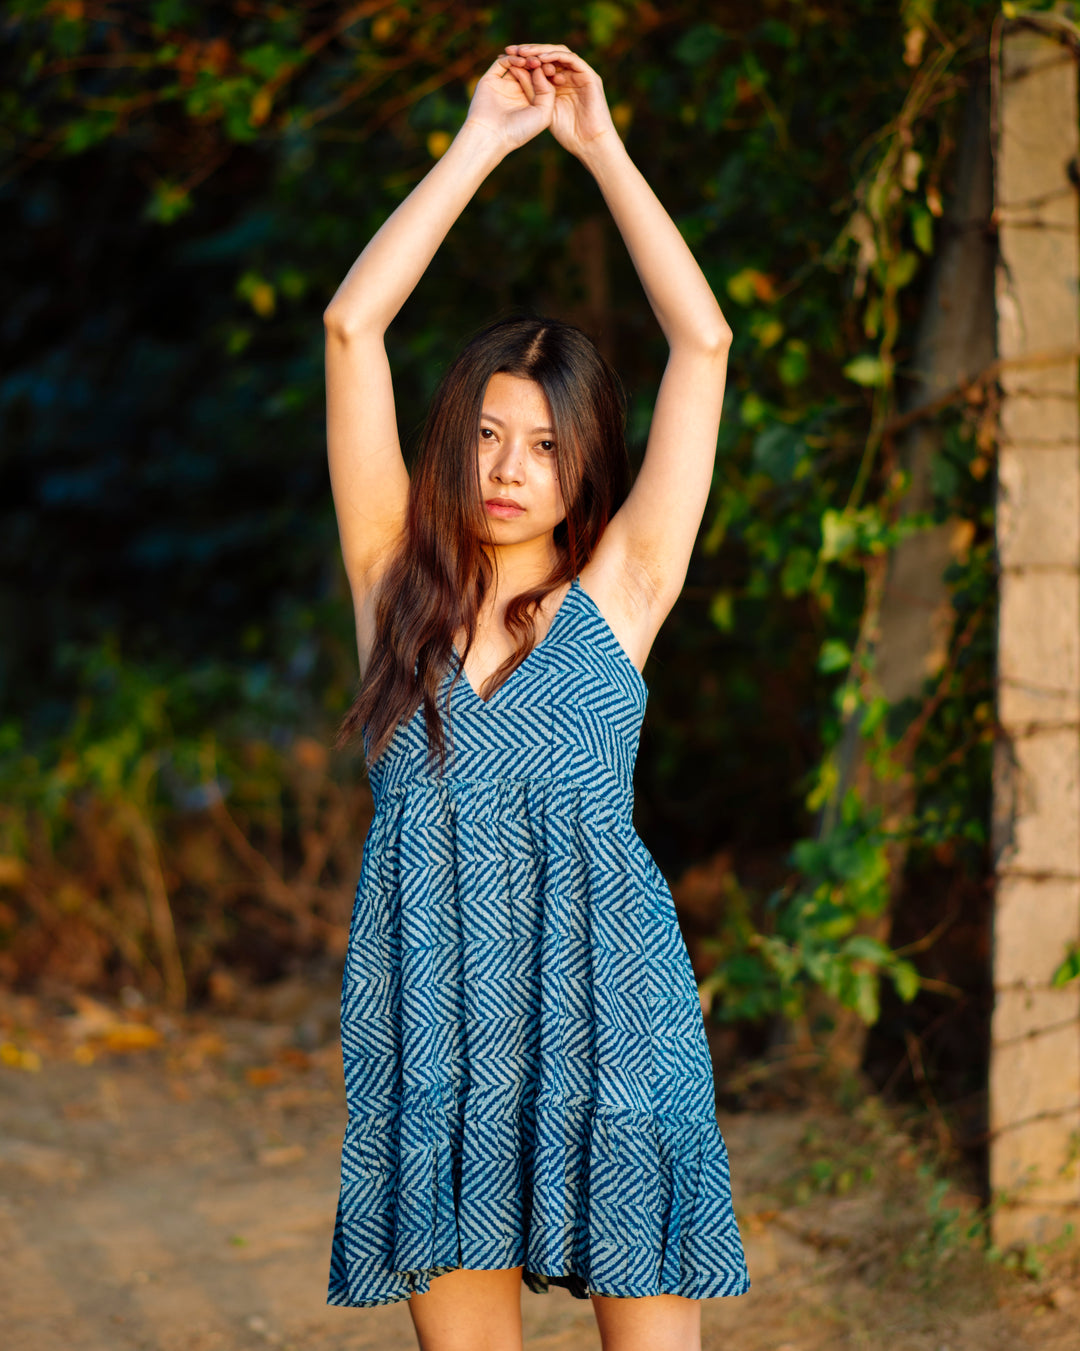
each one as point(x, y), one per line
point(437, 579)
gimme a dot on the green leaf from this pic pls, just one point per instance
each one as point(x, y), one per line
point(835, 656)
point(773, 30)
point(169, 14)
point(865, 1001)
point(604, 20)
point(722, 611)
point(269, 58)
point(922, 229)
point(1069, 968)
point(777, 451)
point(167, 202)
point(84, 132)
point(902, 269)
point(742, 286)
point(714, 536)
point(866, 370)
point(861, 947)
point(839, 535)
point(907, 981)
point(797, 572)
point(699, 44)
point(876, 713)
point(767, 330)
point(238, 122)
point(794, 364)
point(292, 283)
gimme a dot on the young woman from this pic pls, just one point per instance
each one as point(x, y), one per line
point(529, 1085)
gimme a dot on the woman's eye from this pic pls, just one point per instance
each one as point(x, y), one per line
point(548, 447)
point(486, 433)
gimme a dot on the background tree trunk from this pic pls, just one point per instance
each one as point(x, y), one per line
point(1035, 1056)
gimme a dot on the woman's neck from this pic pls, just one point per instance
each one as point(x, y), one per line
point(521, 567)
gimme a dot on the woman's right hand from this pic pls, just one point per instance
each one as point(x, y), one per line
point(506, 103)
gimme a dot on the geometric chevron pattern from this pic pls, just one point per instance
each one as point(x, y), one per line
point(526, 1069)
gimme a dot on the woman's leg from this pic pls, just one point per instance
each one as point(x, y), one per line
point(648, 1323)
point(470, 1311)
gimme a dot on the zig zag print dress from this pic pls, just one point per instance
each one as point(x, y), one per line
point(527, 1075)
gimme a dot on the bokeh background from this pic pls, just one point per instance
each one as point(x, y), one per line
point(183, 188)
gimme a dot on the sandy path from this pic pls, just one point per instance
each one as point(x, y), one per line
point(181, 1198)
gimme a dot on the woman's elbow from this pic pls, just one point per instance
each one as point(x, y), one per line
point(712, 340)
point(717, 336)
point(336, 322)
point(350, 325)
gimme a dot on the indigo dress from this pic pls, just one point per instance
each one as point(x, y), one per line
point(527, 1076)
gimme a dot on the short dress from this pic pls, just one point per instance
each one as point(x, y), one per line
point(527, 1075)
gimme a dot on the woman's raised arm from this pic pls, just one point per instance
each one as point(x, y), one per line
point(367, 472)
point(642, 558)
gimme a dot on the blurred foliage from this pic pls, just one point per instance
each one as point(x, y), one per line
point(163, 839)
point(183, 187)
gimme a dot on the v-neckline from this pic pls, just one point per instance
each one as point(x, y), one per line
point(528, 656)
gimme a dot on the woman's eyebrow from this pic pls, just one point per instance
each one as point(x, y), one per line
point(490, 417)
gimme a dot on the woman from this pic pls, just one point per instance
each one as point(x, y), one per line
point(529, 1085)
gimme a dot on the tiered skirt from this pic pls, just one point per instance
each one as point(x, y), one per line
point(527, 1074)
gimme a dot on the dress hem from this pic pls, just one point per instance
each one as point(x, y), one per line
point(539, 1282)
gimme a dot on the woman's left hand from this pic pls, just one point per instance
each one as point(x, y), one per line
point(517, 109)
point(580, 116)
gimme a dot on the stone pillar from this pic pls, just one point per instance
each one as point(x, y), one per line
point(1035, 1056)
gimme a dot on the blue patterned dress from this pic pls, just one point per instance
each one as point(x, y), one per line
point(527, 1075)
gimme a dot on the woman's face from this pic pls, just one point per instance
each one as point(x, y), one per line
point(518, 468)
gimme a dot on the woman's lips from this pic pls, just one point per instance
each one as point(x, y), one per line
point(503, 506)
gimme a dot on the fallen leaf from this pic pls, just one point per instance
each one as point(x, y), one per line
point(258, 1076)
point(131, 1037)
point(19, 1058)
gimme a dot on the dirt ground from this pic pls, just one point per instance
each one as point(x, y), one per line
point(170, 1185)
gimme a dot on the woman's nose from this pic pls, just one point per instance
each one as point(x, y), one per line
point(508, 466)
